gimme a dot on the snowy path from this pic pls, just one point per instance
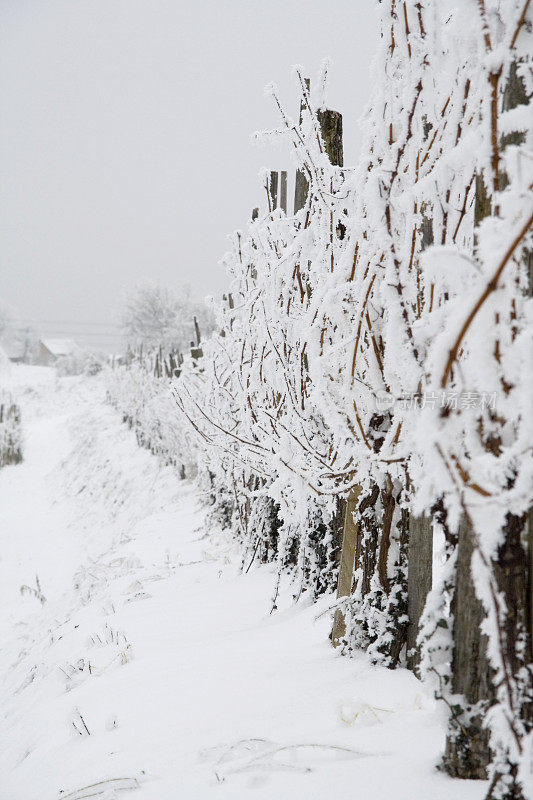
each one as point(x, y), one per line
point(33, 535)
point(155, 666)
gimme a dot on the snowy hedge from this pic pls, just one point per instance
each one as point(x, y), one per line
point(10, 431)
point(376, 355)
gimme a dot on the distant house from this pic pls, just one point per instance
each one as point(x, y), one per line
point(49, 350)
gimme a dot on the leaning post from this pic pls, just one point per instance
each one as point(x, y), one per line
point(346, 568)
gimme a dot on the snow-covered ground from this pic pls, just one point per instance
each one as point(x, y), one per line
point(154, 668)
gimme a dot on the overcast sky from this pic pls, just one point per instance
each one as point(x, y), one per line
point(125, 137)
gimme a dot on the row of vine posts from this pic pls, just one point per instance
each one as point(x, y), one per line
point(479, 648)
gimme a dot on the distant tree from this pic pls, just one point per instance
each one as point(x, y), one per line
point(80, 362)
point(155, 316)
point(15, 339)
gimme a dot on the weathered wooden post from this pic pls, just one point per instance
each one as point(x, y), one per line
point(331, 131)
point(301, 185)
point(419, 579)
point(273, 190)
point(197, 331)
point(283, 190)
point(346, 569)
point(420, 547)
point(467, 753)
point(196, 350)
point(301, 190)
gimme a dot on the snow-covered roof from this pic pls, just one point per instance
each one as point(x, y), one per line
point(60, 347)
point(14, 349)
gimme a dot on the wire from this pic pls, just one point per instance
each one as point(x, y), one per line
point(52, 334)
point(69, 322)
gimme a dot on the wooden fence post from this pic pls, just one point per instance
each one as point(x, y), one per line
point(301, 185)
point(420, 547)
point(419, 578)
point(196, 350)
point(331, 131)
point(467, 751)
point(197, 331)
point(273, 189)
point(283, 190)
point(346, 569)
point(301, 190)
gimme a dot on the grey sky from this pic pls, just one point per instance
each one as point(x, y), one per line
point(125, 128)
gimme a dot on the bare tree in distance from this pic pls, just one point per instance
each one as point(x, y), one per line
point(156, 316)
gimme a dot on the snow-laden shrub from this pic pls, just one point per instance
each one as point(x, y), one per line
point(10, 431)
point(147, 405)
point(80, 362)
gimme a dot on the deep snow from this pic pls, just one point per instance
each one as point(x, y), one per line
point(154, 666)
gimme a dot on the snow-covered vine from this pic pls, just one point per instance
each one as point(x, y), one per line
point(381, 340)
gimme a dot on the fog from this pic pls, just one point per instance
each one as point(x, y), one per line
point(125, 139)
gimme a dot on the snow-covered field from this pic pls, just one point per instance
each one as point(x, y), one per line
point(154, 668)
